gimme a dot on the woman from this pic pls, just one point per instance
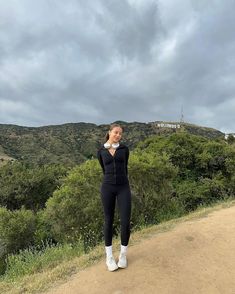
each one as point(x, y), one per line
point(113, 158)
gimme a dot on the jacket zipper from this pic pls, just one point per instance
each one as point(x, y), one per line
point(114, 169)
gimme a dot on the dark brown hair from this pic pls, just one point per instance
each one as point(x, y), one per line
point(110, 129)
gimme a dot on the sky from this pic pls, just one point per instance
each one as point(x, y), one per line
point(99, 61)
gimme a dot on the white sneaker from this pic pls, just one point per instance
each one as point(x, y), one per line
point(122, 262)
point(111, 263)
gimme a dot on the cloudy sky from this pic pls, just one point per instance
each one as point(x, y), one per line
point(99, 61)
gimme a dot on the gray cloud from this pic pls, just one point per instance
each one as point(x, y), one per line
point(101, 61)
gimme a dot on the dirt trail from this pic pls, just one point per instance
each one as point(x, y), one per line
point(196, 256)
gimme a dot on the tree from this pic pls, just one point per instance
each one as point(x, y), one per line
point(231, 139)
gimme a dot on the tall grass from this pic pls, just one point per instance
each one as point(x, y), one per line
point(35, 259)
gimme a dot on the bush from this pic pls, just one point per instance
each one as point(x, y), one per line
point(75, 210)
point(206, 191)
point(16, 232)
point(16, 229)
point(151, 178)
point(28, 187)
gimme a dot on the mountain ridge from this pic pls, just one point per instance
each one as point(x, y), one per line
point(73, 143)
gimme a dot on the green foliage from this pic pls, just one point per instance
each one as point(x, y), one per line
point(151, 178)
point(206, 168)
point(231, 139)
point(75, 209)
point(16, 228)
point(215, 157)
point(206, 191)
point(180, 147)
point(43, 230)
point(28, 187)
point(16, 232)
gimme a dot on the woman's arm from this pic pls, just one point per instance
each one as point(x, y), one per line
point(100, 160)
point(127, 157)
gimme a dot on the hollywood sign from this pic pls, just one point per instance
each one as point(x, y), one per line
point(174, 126)
point(229, 134)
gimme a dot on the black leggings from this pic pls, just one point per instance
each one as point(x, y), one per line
point(109, 193)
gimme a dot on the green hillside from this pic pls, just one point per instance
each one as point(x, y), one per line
point(73, 143)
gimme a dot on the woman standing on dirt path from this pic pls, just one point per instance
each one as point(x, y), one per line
point(113, 158)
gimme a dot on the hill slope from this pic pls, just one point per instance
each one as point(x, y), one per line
point(73, 143)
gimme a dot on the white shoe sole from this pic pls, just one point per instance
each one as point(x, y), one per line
point(112, 270)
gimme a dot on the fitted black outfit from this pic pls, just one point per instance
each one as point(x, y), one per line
point(115, 184)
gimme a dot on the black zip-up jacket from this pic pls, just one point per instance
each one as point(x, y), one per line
point(115, 167)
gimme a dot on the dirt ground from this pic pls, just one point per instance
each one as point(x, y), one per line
point(196, 256)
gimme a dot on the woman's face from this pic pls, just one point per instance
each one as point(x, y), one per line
point(115, 134)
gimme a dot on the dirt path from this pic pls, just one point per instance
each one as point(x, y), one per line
point(196, 256)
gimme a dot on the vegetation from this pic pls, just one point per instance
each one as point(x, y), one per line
point(22, 185)
point(170, 175)
point(74, 143)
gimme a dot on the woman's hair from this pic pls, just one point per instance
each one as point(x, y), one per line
point(110, 129)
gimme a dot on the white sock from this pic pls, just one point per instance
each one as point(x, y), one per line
point(124, 249)
point(108, 250)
